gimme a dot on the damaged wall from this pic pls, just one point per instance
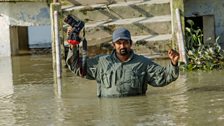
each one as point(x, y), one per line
point(20, 14)
point(208, 8)
point(26, 13)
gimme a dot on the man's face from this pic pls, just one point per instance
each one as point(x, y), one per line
point(122, 47)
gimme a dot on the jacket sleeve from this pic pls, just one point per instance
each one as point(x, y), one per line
point(159, 76)
point(74, 63)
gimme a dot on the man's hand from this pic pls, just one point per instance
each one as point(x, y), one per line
point(174, 56)
point(69, 29)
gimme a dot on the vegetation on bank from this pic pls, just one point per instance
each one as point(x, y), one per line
point(201, 56)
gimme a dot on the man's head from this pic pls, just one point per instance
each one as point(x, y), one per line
point(122, 42)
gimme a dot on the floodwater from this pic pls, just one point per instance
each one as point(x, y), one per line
point(29, 97)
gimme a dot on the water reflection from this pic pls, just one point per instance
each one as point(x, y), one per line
point(30, 97)
point(33, 69)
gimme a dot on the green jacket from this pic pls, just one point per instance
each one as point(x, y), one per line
point(117, 79)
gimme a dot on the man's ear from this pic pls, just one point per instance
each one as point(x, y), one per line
point(113, 45)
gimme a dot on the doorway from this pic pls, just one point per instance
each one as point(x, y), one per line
point(26, 40)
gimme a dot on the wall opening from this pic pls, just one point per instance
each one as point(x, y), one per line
point(198, 22)
point(26, 40)
point(207, 24)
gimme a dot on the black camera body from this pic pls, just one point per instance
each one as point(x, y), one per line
point(77, 26)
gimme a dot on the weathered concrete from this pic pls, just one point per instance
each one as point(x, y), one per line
point(5, 47)
point(38, 13)
point(208, 8)
point(16, 14)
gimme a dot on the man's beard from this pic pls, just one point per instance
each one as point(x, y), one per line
point(124, 52)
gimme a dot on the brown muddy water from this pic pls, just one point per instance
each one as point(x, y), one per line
point(29, 97)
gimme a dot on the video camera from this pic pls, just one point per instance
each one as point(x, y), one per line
point(77, 26)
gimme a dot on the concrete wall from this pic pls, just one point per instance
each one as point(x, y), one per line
point(208, 7)
point(20, 14)
point(5, 47)
point(26, 13)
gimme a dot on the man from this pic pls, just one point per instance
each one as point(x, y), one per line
point(124, 73)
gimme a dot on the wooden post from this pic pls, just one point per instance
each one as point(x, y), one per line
point(180, 38)
point(56, 48)
point(53, 7)
point(174, 4)
point(57, 45)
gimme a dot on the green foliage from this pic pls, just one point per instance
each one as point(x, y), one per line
point(201, 56)
point(193, 37)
